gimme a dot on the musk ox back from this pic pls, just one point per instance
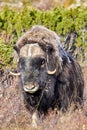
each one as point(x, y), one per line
point(50, 76)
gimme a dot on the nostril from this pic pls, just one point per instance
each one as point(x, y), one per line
point(25, 84)
point(35, 84)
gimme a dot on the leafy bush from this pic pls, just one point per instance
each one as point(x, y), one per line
point(13, 23)
point(6, 51)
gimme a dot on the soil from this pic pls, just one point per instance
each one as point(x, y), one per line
point(15, 116)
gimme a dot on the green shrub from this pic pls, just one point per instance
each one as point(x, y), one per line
point(14, 23)
point(6, 56)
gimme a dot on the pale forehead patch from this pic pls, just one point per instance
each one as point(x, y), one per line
point(31, 50)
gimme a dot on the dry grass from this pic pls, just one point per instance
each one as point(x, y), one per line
point(14, 116)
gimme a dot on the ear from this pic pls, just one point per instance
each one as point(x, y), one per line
point(16, 49)
point(51, 60)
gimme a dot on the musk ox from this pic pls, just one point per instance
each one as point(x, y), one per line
point(50, 76)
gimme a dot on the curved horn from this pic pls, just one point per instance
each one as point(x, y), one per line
point(51, 72)
point(15, 74)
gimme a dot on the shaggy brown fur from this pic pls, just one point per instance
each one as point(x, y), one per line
point(43, 36)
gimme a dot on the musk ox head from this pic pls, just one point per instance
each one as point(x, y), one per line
point(38, 58)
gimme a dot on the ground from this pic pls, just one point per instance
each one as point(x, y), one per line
point(15, 116)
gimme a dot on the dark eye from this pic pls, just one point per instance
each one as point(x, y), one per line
point(49, 48)
point(43, 62)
